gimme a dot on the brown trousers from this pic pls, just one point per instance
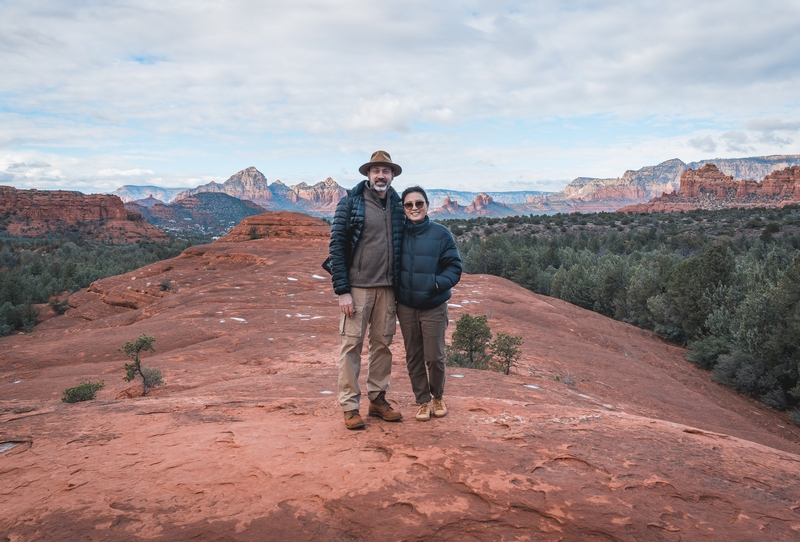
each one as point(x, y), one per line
point(374, 307)
point(423, 335)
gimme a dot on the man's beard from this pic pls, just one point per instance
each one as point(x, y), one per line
point(383, 188)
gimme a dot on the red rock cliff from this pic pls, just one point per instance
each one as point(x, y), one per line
point(709, 188)
point(95, 216)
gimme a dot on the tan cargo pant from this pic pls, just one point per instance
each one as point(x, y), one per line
point(374, 307)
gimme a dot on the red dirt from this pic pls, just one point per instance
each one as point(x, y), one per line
point(242, 443)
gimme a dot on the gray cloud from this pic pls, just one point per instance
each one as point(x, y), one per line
point(705, 144)
point(772, 125)
point(737, 141)
point(27, 165)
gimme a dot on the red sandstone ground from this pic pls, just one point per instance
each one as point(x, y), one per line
point(245, 443)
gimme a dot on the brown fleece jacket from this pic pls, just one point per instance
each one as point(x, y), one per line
point(373, 260)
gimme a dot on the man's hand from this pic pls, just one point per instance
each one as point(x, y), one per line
point(346, 304)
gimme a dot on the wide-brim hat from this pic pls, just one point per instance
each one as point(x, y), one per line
point(380, 158)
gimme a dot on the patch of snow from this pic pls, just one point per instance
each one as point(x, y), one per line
point(222, 321)
point(238, 319)
point(271, 339)
point(457, 376)
point(290, 278)
point(531, 386)
point(315, 317)
point(298, 315)
point(6, 446)
point(326, 392)
point(317, 276)
point(453, 305)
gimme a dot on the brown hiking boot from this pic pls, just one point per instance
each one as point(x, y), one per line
point(439, 408)
point(381, 408)
point(424, 412)
point(353, 420)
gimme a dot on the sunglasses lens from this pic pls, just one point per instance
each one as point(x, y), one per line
point(410, 205)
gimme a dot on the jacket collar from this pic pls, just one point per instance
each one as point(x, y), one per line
point(422, 227)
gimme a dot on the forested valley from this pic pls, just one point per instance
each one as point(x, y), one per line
point(725, 284)
point(47, 269)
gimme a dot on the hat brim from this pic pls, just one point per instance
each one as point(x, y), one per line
point(364, 170)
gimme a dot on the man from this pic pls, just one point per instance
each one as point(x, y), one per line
point(366, 235)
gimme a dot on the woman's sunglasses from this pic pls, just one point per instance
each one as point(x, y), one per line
point(419, 204)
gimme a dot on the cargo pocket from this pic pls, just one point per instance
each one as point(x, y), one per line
point(351, 327)
point(391, 320)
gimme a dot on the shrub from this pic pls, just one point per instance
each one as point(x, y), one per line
point(165, 285)
point(60, 306)
point(795, 415)
point(740, 371)
point(82, 392)
point(705, 352)
point(153, 376)
point(470, 341)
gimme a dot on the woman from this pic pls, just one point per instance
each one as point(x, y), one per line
point(429, 267)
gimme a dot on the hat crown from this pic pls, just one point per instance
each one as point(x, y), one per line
point(380, 156)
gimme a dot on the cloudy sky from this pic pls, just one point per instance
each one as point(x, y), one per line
point(470, 95)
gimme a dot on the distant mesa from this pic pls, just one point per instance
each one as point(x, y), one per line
point(33, 213)
point(250, 184)
point(206, 213)
point(148, 201)
point(129, 193)
point(709, 188)
point(591, 195)
point(583, 194)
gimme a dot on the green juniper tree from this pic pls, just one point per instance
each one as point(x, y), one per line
point(151, 377)
point(506, 348)
point(470, 341)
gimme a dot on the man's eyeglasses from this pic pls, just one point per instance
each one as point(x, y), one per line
point(419, 204)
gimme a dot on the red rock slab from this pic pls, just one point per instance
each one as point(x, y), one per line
point(603, 431)
point(235, 468)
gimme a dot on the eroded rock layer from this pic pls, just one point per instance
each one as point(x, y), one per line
point(709, 188)
point(38, 212)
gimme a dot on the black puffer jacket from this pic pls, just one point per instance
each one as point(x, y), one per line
point(430, 265)
point(348, 222)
